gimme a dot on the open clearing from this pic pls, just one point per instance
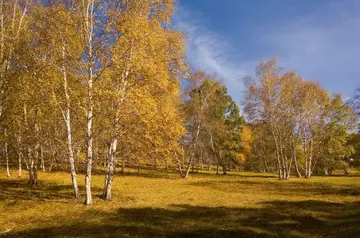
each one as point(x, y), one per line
point(156, 204)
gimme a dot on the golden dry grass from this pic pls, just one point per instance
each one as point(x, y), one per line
point(156, 204)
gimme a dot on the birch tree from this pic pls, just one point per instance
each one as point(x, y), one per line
point(146, 59)
point(58, 32)
point(273, 98)
point(325, 131)
point(264, 102)
point(199, 91)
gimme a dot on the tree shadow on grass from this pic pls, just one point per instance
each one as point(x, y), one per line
point(19, 190)
point(273, 219)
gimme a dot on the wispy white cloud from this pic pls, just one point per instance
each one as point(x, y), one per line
point(324, 46)
point(209, 51)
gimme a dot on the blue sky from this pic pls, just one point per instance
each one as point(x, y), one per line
point(320, 39)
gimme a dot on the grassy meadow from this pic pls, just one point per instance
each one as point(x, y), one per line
point(155, 204)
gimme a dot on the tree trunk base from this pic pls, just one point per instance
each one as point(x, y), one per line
point(33, 182)
point(88, 198)
point(106, 196)
point(33, 178)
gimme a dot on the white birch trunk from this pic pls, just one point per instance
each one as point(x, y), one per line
point(277, 154)
point(89, 143)
point(20, 163)
point(111, 169)
point(296, 164)
point(310, 159)
point(89, 25)
point(192, 153)
point(67, 119)
point(42, 158)
point(20, 153)
point(6, 154)
point(33, 175)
